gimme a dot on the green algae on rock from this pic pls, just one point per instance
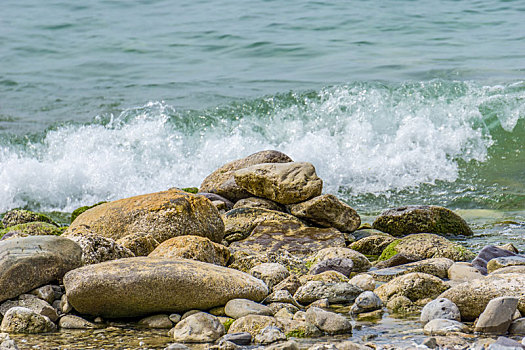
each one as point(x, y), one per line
point(80, 210)
point(32, 229)
point(22, 216)
point(421, 219)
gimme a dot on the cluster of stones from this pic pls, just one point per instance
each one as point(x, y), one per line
point(258, 256)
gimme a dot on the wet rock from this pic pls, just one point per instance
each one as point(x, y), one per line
point(473, 296)
point(289, 345)
point(517, 327)
point(161, 321)
point(75, 322)
point(437, 267)
point(253, 324)
point(242, 338)
point(423, 246)
point(30, 262)
point(463, 271)
point(421, 219)
point(342, 265)
point(366, 302)
point(498, 263)
point(7, 343)
point(440, 308)
point(372, 245)
point(329, 322)
point(488, 253)
point(239, 223)
point(20, 216)
point(284, 183)
point(270, 273)
point(24, 320)
point(198, 328)
point(261, 203)
point(328, 211)
point(160, 215)
point(503, 343)
point(497, 316)
point(361, 263)
point(415, 286)
point(34, 304)
point(237, 308)
point(363, 281)
point(443, 327)
point(268, 335)
point(154, 285)
point(336, 293)
point(97, 249)
point(299, 241)
point(430, 343)
point(222, 182)
point(194, 248)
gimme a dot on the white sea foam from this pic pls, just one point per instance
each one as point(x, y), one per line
point(366, 139)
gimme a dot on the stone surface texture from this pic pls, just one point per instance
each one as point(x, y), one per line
point(441, 308)
point(415, 286)
point(497, 316)
point(198, 328)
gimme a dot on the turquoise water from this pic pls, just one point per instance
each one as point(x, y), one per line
point(394, 102)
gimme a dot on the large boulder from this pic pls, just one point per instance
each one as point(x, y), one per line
point(422, 246)
point(421, 219)
point(160, 215)
point(222, 182)
point(30, 262)
point(473, 296)
point(328, 211)
point(284, 183)
point(298, 240)
point(140, 286)
point(414, 286)
point(239, 223)
point(193, 247)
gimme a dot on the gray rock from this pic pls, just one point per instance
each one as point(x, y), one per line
point(163, 285)
point(198, 328)
point(336, 293)
point(7, 343)
point(328, 211)
point(488, 253)
point(498, 263)
point(284, 183)
point(518, 326)
point(268, 335)
point(20, 216)
point(65, 306)
point(342, 265)
point(503, 343)
point(75, 322)
point(242, 338)
point(441, 308)
point(281, 296)
point(497, 316)
point(276, 307)
point(36, 305)
point(48, 293)
point(443, 327)
point(421, 219)
point(24, 320)
point(329, 322)
point(97, 249)
point(437, 267)
point(30, 262)
point(255, 202)
point(176, 346)
point(160, 321)
point(175, 318)
point(289, 345)
point(270, 273)
point(430, 343)
point(366, 302)
point(228, 205)
point(237, 308)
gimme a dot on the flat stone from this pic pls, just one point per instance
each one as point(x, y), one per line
point(194, 248)
point(329, 322)
point(160, 215)
point(440, 308)
point(280, 296)
point(327, 277)
point(342, 265)
point(24, 320)
point(30, 229)
point(284, 183)
point(237, 308)
point(222, 182)
point(396, 260)
point(75, 322)
point(497, 316)
point(154, 285)
point(473, 296)
point(503, 343)
point(444, 327)
point(198, 328)
point(161, 321)
point(421, 219)
point(506, 261)
point(415, 286)
point(30, 262)
point(437, 267)
point(336, 293)
point(328, 211)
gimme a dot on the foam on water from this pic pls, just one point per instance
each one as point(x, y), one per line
point(363, 139)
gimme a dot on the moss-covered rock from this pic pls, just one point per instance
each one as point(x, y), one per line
point(425, 246)
point(31, 229)
point(20, 216)
point(372, 245)
point(361, 263)
point(80, 210)
point(421, 219)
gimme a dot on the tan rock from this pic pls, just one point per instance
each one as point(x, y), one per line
point(160, 215)
point(221, 181)
point(372, 245)
point(463, 271)
point(194, 248)
point(256, 202)
point(361, 263)
point(284, 183)
point(436, 266)
point(328, 211)
point(415, 286)
point(253, 324)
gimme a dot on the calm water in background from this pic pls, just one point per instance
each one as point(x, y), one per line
point(394, 102)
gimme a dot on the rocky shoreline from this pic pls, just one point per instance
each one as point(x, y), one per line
point(255, 257)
